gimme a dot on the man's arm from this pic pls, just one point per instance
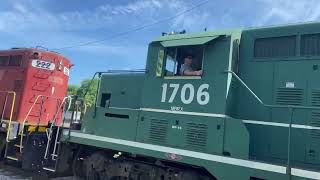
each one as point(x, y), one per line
point(192, 73)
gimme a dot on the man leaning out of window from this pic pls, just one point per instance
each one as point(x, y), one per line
point(186, 68)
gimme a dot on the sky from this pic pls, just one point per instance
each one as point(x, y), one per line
point(62, 25)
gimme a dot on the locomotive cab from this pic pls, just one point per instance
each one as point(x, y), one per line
point(179, 106)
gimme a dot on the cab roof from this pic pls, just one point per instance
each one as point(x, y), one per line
point(199, 35)
point(236, 31)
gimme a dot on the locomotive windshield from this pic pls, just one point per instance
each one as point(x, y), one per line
point(184, 61)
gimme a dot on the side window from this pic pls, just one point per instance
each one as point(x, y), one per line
point(184, 61)
point(275, 47)
point(171, 62)
point(4, 60)
point(310, 45)
point(105, 100)
point(160, 63)
point(15, 60)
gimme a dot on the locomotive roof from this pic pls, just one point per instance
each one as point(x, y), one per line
point(31, 50)
point(238, 31)
point(291, 25)
point(199, 34)
point(27, 50)
point(197, 38)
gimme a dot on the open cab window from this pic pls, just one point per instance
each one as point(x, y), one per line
point(176, 63)
point(173, 55)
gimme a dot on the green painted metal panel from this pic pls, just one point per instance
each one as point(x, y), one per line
point(286, 81)
point(115, 126)
point(215, 62)
point(123, 90)
point(204, 134)
point(276, 79)
point(188, 42)
point(218, 169)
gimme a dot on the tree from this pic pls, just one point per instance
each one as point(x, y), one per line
point(72, 90)
point(91, 87)
point(86, 85)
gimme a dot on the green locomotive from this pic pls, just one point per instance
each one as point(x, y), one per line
point(248, 108)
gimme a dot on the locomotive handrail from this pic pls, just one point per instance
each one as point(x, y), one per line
point(264, 104)
point(289, 107)
point(53, 122)
point(25, 119)
point(4, 107)
point(108, 72)
point(60, 107)
point(113, 72)
point(11, 111)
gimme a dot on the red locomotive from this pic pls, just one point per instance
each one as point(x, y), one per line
point(34, 75)
point(33, 86)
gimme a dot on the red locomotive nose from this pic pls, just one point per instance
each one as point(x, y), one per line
point(31, 73)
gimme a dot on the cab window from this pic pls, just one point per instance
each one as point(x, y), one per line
point(15, 60)
point(4, 60)
point(184, 61)
point(171, 62)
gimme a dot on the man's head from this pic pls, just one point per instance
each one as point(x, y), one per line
point(188, 60)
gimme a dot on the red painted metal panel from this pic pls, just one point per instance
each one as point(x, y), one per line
point(44, 73)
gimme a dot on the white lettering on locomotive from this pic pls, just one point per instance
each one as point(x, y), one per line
point(175, 108)
point(187, 93)
point(43, 65)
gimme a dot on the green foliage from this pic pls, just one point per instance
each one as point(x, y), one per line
point(91, 87)
point(72, 90)
point(85, 86)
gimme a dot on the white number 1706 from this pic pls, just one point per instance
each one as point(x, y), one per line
point(203, 96)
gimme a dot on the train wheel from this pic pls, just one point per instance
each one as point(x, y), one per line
point(96, 167)
point(78, 165)
point(190, 175)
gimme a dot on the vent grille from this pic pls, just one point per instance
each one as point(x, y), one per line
point(289, 96)
point(315, 116)
point(315, 97)
point(158, 131)
point(196, 136)
point(315, 121)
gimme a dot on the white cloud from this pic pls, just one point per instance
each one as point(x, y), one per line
point(20, 8)
point(133, 7)
point(289, 11)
